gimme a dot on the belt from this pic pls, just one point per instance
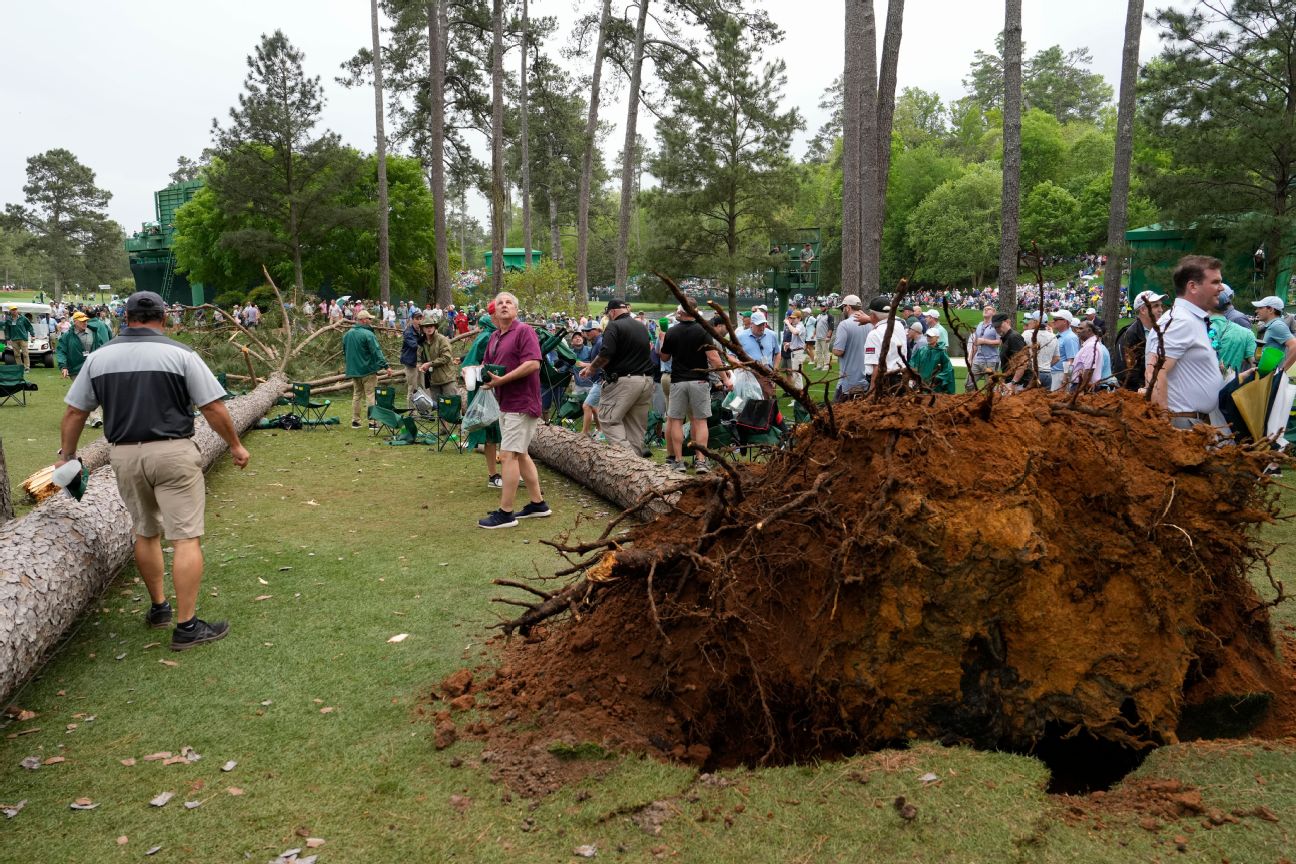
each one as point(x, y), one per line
point(154, 441)
point(620, 377)
point(1193, 415)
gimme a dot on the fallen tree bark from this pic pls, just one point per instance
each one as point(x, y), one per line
point(620, 477)
point(58, 557)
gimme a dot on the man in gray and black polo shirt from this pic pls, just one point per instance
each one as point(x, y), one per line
point(147, 385)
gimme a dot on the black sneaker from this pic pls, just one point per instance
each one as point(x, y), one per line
point(534, 511)
point(158, 616)
point(355, 424)
point(497, 519)
point(495, 481)
point(200, 634)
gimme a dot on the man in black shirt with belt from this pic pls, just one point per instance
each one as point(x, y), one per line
point(692, 355)
point(626, 361)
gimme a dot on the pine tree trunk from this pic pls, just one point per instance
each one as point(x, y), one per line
point(524, 124)
point(605, 470)
point(1011, 204)
point(6, 495)
point(629, 156)
point(555, 235)
point(58, 558)
point(886, 111)
point(437, 29)
point(870, 209)
point(463, 227)
point(1118, 215)
point(384, 262)
point(852, 111)
point(587, 165)
point(497, 148)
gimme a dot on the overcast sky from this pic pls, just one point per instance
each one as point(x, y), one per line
point(129, 86)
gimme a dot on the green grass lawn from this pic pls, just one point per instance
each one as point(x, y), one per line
point(328, 545)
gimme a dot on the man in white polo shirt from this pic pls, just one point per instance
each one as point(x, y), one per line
point(1189, 380)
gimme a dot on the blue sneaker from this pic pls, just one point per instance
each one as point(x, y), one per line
point(535, 511)
point(497, 519)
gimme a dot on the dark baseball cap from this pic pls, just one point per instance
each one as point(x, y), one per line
point(145, 301)
point(616, 304)
point(881, 303)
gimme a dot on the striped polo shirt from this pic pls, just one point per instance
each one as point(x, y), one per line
point(147, 385)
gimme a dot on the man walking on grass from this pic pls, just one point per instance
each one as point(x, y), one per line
point(147, 385)
point(364, 359)
point(692, 355)
point(516, 348)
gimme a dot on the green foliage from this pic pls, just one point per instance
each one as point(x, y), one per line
point(63, 220)
point(914, 175)
point(1055, 82)
point(543, 288)
point(283, 182)
point(1049, 216)
point(954, 232)
point(723, 165)
point(1220, 102)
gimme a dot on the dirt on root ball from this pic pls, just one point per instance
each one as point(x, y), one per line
point(1048, 579)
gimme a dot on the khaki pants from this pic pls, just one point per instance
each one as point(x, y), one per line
point(161, 483)
point(823, 353)
point(362, 390)
point(21, 357)
point(413, 381)
point(623, 411)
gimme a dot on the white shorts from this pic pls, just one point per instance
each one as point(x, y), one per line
point(516, 431)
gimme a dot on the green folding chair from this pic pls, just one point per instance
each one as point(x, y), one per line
point(449, 419)
point(222, 380)
point(14, 385)
point(312, 412)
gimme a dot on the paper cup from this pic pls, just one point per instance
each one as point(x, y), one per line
point(470, 377)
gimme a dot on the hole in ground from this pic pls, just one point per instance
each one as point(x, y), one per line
point(1078, 763)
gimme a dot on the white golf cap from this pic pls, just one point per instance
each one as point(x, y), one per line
point(851, 300)
point(1032, 316)
point(1091, 311)
point(1272, 302)
point(931, 313)
point(758, 317)
point(1064, 315)
point(932, 331)
point(1147, 298)
point(916, 326)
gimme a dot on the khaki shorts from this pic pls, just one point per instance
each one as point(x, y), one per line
point(689, 399)
point(162, 485)
point(516, 431)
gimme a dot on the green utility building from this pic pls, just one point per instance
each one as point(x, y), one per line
point(514, 258)
point(1158, 247)
point(152, 259)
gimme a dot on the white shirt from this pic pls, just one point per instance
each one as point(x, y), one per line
point(1048, 346)
point(1195, 381)
point(897, 351)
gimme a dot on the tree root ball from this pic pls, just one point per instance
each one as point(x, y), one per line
point(1043, 578)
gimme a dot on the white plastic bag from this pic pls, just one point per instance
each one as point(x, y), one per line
point(482, 412)
point(746, 388)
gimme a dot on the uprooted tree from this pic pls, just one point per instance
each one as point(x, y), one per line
point(1036, 574)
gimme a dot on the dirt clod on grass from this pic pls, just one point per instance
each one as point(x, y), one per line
point(1071, 583)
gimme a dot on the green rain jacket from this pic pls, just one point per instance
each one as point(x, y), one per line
point(935, 368)
point(363, 354)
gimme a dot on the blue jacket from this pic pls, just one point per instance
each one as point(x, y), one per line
point(412, 338)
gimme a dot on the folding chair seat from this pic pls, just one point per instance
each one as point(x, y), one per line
point(312, 412)
point(14, 385)
point(449, 413)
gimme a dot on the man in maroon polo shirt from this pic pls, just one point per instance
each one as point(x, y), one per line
point(515, 347)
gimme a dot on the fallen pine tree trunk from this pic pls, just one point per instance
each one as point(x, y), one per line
point(59, 557)
point(617, 475)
